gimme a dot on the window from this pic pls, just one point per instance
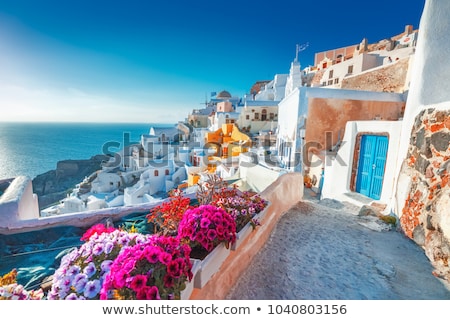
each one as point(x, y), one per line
point(330, 75)
point(272, 116)
point(156, 173)
point(247, 117)
point(256, 116)
point(324, 83)
point(167, 172)
point(330, 82)
point(350, 69)
point(264, 115)
point(336, 81)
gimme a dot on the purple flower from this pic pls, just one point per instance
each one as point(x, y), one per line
point(109, 246)
point(73, 271)
point(105, 266)
point(92, 288)
point(72, 296)
point(90, 269)
point(79, 282)
point(97, 249)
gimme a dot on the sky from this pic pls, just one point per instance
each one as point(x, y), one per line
point(155, 61)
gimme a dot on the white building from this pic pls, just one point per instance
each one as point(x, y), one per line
point(160, 177)
point(258, 115)
point(272, 91)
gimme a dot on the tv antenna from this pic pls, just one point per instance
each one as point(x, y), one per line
point(299, 48)
point(206, 101)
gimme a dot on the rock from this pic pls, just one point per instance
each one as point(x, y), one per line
point(419, 235)
point(54, 185)
point(367, 210)
point(440, 140)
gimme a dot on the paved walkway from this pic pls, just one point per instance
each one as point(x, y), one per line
point(323, 250)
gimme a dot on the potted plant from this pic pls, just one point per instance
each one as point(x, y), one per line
point(166, 216)
point(244, 207)
point(210, 231)
point(81, 273)
point(156, 269)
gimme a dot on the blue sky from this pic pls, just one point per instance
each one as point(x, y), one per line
point(154, 61)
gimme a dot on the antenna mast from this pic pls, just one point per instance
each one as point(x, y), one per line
point(299, 48)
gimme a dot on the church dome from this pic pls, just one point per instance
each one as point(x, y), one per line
point(223, 95)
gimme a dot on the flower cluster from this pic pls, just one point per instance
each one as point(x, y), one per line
point(243, 206)
point(96, 229)
point(16, 291)
point(156, 269)
point(82, 272)
point(11, 290)
point(167, 216)
point(207, 226)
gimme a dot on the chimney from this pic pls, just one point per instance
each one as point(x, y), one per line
point(408, 29)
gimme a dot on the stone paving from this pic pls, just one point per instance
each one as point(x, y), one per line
point(324, 250)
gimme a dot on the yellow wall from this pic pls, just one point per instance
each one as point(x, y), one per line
point(229, 134)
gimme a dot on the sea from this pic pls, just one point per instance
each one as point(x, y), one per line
point(31, 149)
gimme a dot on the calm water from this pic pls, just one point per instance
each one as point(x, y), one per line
point(34, 148)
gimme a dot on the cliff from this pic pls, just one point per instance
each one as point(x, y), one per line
point(54, 185)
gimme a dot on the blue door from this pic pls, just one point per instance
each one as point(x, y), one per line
point(372, 160)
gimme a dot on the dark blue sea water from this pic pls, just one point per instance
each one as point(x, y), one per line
point(34, 148)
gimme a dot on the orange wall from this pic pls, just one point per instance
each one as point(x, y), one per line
point(331, 115)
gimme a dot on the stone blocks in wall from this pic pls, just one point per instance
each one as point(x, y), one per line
point(425, 216)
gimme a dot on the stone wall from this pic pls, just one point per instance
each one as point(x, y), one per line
point(391, 78)
point(425, 217)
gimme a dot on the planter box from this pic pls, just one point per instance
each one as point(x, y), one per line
point(210, 265)
point(260, 216)
point(186, 293)
point(242, 235)
point(248, 229)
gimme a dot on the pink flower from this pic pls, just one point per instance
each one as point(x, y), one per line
point(139, 281)
point(212, 234)
point(204, 223)
point(152, 253)
point(120, 279)
point(161, 267)
point(165, 258)
point(173, 269)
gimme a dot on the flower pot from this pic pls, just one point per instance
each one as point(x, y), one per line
point(248, 229)
point(242, 235)
point(260, 215)
point(210, 265)
point(186, 293)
